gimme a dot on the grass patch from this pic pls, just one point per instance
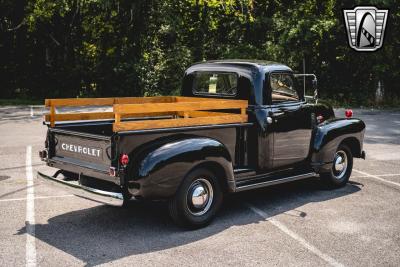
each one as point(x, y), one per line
point(20, 102)
point(388, 103)
point(344, 103)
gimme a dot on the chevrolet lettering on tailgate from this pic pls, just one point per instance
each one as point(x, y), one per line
point(81, 149)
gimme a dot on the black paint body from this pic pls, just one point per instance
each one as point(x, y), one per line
point(279, 139)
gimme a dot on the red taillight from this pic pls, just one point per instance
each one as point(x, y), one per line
point(124, 159)
point(348, 113)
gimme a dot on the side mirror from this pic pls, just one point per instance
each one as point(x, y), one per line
point(314, 86)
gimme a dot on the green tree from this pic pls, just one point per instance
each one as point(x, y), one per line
point(76, 48)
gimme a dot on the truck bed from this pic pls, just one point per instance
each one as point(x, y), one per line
point(87, 143)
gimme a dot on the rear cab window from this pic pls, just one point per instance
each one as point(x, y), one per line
point(215, 83)
point(283, 88)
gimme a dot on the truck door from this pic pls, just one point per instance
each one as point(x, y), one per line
point(290, 121)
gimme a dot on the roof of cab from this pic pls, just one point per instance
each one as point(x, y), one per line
point(249, 63)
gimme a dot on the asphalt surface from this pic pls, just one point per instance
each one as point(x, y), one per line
point(296, 224)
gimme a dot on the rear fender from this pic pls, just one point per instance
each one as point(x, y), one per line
point(158, 171)
point(329, 135)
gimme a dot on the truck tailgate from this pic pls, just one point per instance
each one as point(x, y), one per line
point(81, 150)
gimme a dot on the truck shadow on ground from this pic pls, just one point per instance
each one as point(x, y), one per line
point(102, 234)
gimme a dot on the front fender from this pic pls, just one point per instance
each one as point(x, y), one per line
point(329, 135)
point(159, 170)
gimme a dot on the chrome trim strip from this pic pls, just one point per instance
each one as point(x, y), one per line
point(275, 182)
point(105, 197)
point(269, 106)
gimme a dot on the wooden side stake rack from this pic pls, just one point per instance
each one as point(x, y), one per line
point(183, 111)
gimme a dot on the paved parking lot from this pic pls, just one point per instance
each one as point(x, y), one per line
point(296, 224)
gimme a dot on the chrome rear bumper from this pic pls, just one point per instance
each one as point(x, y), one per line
point(105, 197)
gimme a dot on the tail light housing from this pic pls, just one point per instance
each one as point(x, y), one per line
point(348, 113)
point(124, 159)
point(112, 172)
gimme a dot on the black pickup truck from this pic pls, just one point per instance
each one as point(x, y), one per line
point(286, 137)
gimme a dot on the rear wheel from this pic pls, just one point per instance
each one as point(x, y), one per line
point(341, 168)
point(197, 199)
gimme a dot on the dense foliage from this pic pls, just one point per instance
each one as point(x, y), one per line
point(74, 48)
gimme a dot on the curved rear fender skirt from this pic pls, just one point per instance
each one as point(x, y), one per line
point(160, 171)
point(330, 134)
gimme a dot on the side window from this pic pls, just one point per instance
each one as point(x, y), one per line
point(283, 87)
point(209, 83)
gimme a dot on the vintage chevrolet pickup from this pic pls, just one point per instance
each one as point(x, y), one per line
point(239, 125)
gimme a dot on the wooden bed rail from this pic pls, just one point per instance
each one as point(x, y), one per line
point(186, 108)
point(76, 102)
point(183, 111)
point(52, 117)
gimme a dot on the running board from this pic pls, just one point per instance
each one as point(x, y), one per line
point(275, 182)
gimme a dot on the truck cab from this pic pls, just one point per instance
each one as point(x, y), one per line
point(191, 161)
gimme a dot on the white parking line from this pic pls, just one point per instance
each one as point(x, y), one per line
point(30, 212)
point(377, 178)
point(40, 197)
point(328, 259)
point(379, 175)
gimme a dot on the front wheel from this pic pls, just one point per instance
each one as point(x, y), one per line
point(197, 199)
point(341, 168)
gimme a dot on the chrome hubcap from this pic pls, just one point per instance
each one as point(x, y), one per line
point(339, 164)
point(200, 196)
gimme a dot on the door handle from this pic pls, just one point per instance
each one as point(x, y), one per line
point(278, 114)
